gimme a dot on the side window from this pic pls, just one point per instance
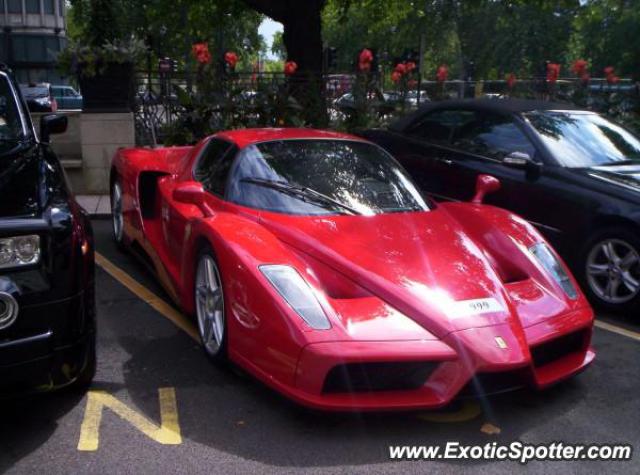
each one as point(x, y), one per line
point(494, 136)
point(213, 166)
point(439, 126)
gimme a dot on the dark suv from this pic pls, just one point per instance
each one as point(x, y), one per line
point(47, 298)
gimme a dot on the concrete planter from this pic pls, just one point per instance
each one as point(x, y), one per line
point(110, 91)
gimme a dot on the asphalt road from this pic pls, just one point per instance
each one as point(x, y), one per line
point(229, 423)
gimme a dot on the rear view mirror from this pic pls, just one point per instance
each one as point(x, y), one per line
point(192, 192)
point(52, 124)
point(484, 185)
point(517, 159)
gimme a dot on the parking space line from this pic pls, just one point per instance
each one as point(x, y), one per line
point(616, 329)
point(149, 297)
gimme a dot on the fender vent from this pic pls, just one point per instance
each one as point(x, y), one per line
point(364, 377)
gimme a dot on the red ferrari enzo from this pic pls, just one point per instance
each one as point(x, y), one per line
point(310, 259)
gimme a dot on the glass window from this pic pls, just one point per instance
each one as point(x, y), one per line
point(15, 6)
point(10, 124)
point(33, 6)
point(492, 135)
point(438, 127)
point(49, 6)
point(318, 177)
point(213, 166)
point(583, 139)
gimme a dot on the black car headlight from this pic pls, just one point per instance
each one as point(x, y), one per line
point(19, 251)
point(554, 267)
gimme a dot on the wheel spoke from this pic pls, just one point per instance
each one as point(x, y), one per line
point(208, 330)
point(210, 275)
point(630, 283)
point(610, 252)
point(611, 291)
point(218, 326)
point(629, 260)
point(598, 269)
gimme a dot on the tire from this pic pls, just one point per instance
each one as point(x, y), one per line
point(117, 216)
point(610, 270)
point(85, 377)
point(210, 307)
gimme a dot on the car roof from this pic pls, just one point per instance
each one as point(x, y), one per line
point(502, 106)
point(245, 137)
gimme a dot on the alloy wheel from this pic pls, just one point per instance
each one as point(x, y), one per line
point(613, 271)
point(116, 212)
point(209, 305)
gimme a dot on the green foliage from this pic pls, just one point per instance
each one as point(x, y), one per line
point(79, 59)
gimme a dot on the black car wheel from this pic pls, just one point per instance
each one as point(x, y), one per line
point(210, 309)
point(117, 217)
point(611, 270)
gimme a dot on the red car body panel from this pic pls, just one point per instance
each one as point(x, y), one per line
point(391, 285)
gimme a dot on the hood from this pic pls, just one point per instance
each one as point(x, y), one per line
point(423, 264)
point(625, 176)
point(20, 179)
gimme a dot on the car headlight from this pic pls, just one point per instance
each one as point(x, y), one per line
point(43, 101)
point(548, 260)
point(297, 293)
point(19, 251)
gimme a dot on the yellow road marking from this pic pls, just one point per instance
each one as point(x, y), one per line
point(168, 433)
point(616, 329)
point(149, 297)
point(469, 410)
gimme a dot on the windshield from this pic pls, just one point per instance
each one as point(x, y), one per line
point(318, 177)
point(10, 123)
point(582, 140)
point(33, 92)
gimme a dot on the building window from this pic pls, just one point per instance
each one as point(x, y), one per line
point(61, 8)
point(15, 6)
point(33, 6)
point(49, 7)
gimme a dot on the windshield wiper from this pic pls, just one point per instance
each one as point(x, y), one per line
point(299, 192)
point(629, 161)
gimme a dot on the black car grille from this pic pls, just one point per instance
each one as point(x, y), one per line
point(483, 384)
point(363, 377)
point(557, 348)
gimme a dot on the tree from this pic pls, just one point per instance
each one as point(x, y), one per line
point(302, 38)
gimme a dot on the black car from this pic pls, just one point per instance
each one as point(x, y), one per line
point(47, 298)
point(39, 97)
point(572, 173)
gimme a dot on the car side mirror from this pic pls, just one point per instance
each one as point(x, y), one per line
point(485, 184)
point(192, 193)
point(517, 159)
point(52, 124)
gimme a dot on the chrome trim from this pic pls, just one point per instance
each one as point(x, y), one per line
point(10, 313)
point(27, 340)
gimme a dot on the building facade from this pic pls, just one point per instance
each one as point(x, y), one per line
point(33, 32)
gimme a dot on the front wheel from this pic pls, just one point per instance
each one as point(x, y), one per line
point(117, 216)
point(611, 270)
point(210, 311)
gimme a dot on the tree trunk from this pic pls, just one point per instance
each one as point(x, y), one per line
point(302, 38)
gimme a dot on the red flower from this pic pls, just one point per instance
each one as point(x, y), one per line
point(553, 72)
point(511, 80)
point(364, 66)
point(410, 66)
point(366, 57)
point(442, 73)
point(611, 75)
point(579, 67)
point(585, 78)
point(412, 84)
point(231, 59)
point(400, 68)
point(396, 76)
point(290, 68)
point(201, 52)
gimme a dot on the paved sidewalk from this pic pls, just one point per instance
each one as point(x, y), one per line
point(96, 205)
